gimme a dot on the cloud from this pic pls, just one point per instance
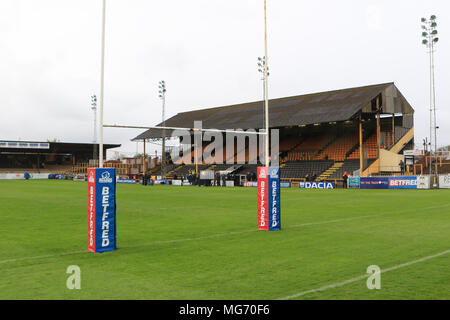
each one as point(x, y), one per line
point(206, 52)
point(374, 18)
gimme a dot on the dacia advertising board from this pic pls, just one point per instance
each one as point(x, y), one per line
point(269, 217)
point(102, 209)
point(316, 185)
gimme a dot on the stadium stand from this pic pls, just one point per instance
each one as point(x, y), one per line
point(247, 168)
point(302, 169)
point(319, 133)
point(339, 148)
point(221, 167)
point(349, 166)
point(45, 157)
point(370, 146)
point(183, 170)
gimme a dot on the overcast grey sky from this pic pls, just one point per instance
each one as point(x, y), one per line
point(206, 51)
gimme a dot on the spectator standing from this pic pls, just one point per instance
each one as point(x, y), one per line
point(402, 166)
point(345, 177)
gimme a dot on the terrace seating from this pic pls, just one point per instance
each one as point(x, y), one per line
point(221, 167)
point(167, 169)
point(299, 155)
point(339, 148)
point(183, 170)
point(308, 148)
point(301, 169)
point(315, 142)
point(370, 145)
point(248, 168)
point(349, 166)
point(289, 143)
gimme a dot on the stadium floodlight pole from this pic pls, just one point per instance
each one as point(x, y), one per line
point(102, 81)
point(429, 35)
point(94, 109)
point(162, 96)
point(266, 88)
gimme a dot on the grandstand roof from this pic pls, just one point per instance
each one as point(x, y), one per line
point(9, 146)
point(331, 106)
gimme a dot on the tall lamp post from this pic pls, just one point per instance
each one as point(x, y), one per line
point(94, 109)
point(162, 96)
point(429, 35)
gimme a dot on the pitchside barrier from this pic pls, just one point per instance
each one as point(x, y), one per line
point(269, 199)
point(24, 176)
point(406, 182)
point(444, 182)
point(101, 209)
point(353, 183)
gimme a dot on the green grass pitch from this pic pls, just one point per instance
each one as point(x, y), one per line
point(202, 243)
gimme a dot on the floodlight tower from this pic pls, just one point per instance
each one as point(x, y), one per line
point(429, 35)
point(162, 96)
point(94, 109)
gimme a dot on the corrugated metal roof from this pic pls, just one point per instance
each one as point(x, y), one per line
point(337, 105)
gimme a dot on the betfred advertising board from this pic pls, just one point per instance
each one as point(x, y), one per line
point(269, 215)
point(403, 183)
point(101, 209)
point(249, 183)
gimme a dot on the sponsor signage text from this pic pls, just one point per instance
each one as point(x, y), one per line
point(101, 209)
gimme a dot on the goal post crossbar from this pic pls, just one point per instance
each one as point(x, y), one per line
point(185, 129)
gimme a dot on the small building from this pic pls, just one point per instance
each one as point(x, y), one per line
point(45, 155)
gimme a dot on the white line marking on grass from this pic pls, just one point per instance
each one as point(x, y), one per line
point(289, 227)
point(225, 234)
point(343, 283)
point(363, 217)
point(42, 257)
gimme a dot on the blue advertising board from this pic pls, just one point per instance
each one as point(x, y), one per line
point(285, 184)
point(374, 183)
point(353, 183)
point(403, 182)
point(128, 181)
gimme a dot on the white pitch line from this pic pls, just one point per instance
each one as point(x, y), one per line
point(368, 216)
point(343, 283)
point(42, 257)
point(223, 234)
